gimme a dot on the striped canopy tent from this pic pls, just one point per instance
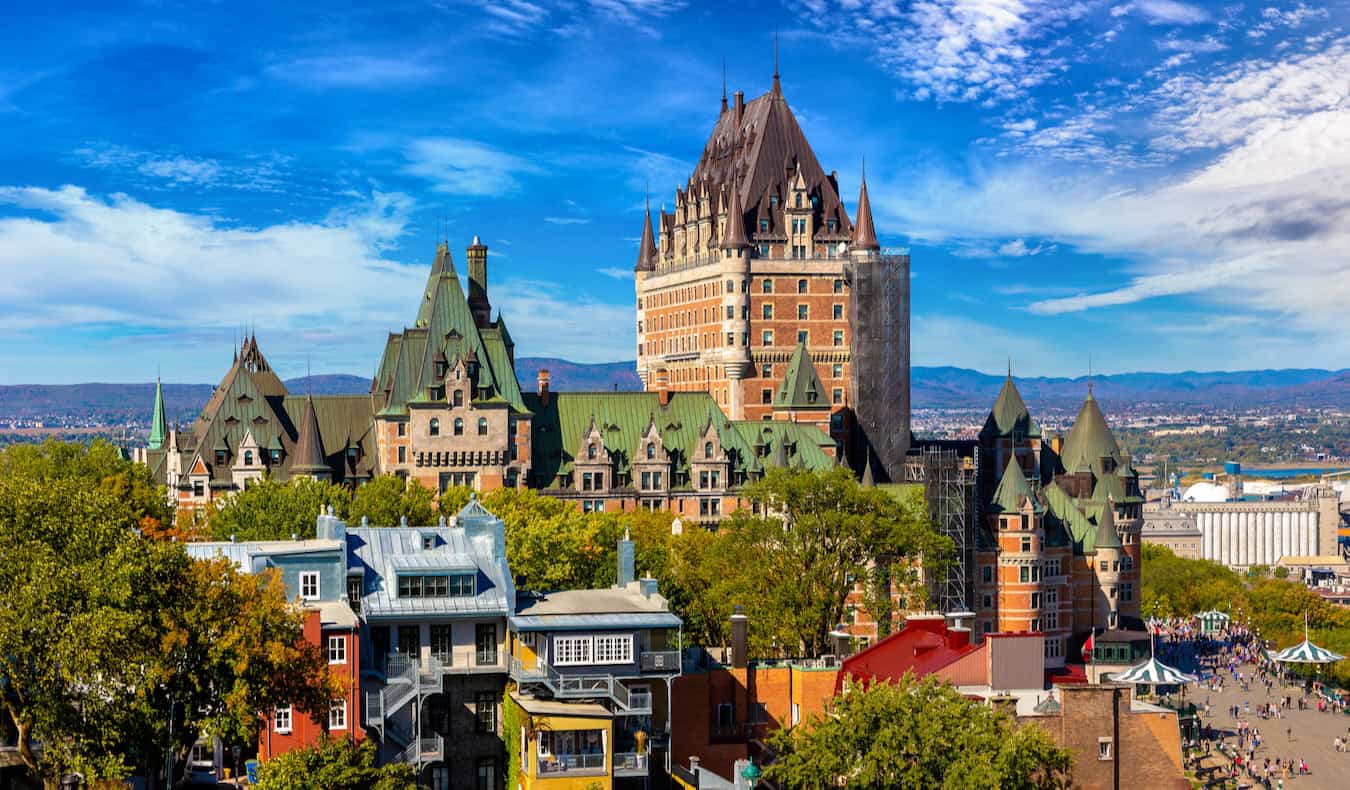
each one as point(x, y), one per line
point(1306, 652)
point(1154, 673)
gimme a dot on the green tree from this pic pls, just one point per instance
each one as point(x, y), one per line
point(272, 510)
point(386, 499)
point(818, 534)
point(334, 764)
point(915, 734)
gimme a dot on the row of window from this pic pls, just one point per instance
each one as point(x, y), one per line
point(451, 585)
point(709, 290)
point(803, 312)
point(434, 427)
point(576, 650)
point(803, 337)
point(283, 718)
point(836, 397)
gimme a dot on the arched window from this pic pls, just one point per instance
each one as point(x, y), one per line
point(707, 449)
point(591, 452)
point(248, 458)
point(482, 426)
point(459, 426)
point(459, 398)
point(651, 450)
point(435, 428)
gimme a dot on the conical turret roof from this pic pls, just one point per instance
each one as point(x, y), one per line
point(733, 237)
point(1012, 489)
point(1107, 537)
point(158, 429)
point(1009, 414)
point(646, 261)
point(1089, 440)
point(864, 233)
point(309, 455)
point(801, 387)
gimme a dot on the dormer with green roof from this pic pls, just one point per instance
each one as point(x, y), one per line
point(1012, 490)
point(158, 428)
point(801, 387)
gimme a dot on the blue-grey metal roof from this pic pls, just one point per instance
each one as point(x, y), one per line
point(593, 622)
point(380, 553)
point(243, 554)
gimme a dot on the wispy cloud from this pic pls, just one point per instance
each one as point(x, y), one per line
point(1164, 12)
point(173, 169)
point(355, 70)
point(521, 18)
point(567, 220)
point(465, 167)
point(616, 273)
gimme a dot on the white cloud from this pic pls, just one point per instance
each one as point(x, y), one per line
point(1170, 12)
point(567, 220)
point(616, 273)
point(254, 173)
point(973, 50)
point(465, 167)
point(558, 319)
point(355, 70)
point(520, 18)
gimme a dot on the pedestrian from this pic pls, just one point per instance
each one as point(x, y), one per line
point(1290, 732)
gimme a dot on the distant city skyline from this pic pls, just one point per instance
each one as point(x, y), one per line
point(1162, 185)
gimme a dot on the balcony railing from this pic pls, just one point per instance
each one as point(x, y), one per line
point(582, 686)
point(630, 763)
point(565, 763)
point(640, 700)
point(659, 661)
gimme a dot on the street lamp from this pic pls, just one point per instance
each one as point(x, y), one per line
point(751, 774)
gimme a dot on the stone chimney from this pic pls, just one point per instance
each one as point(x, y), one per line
point(478, 288)
point(662, 386)
point(543, 386)
point(740, 638)
point(740, 107)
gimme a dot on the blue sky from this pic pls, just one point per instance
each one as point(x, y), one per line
point(1162, 185)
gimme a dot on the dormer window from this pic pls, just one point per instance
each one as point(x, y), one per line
point(220, 457)
point(440, 370)
point(830, 225)
point(591, 452)
point(773, 202)
point(707, 449)
point(459, 398)
point(276, 456)
point(799, 200)
point(248, 458)
point(764, 226)
point(651, 451)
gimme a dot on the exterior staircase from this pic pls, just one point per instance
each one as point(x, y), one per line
point(583, 687)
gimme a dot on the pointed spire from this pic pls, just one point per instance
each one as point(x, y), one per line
point(1107, 537)
point(724, 84)
point(158, 430)
point(308, 455)
point(733, 236)
point(864, 234)
point(647, 254)
point(777, 86)
point(801, 387)
point(868, 479)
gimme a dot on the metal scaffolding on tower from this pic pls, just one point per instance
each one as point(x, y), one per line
point(948, 478)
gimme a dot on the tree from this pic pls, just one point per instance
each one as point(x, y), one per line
point(915, 734)
point(334, 764)
point(271, 510)
point(387, 499)
point(818, 535)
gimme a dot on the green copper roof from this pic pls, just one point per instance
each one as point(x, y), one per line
point(1012, 489)
point(158, 431)
point(1089, 440)
point(1107, 537)
point(1062, 508)
point(1010, 414)
point(801, 387)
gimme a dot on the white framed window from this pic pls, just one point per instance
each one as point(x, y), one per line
point(337, 649)
point(309, 585)
point(337, 715)
point(1103, 748)
point(281, 720)
point(614, 649)
point(571, 650)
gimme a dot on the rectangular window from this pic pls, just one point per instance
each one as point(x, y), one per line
point(455, 585)
point(403, 429)
point(837, 371)
point(403, 455)
point(987, 573)
point(1026, 544)
point(988, 601)
point(838, 312)
point(646, 481)
point(766, 396)
point(731, 338)
point(767, 286)
point(803, 337)
point(355, 585)
point(485, 712)
point(766, 337)
point(1024, 574)
point(337, 715)
point(839, 337)
point(836, 396)
point(766, 371)
point(802, 312)
point(1035, 600)
point(337, 649)
point(281, 720)
point(571, 650)
point(487, 773)
point(485, 641)
point(613, 649)
point(838, 286)
point(442, 643)
point(309, 585)
point(767, 312)
point(1103, 748)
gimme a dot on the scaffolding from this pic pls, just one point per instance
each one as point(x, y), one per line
point(948, 479)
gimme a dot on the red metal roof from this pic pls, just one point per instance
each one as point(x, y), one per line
point(924, 645)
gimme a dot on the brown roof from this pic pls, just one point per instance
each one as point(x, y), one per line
point(646, 261)
point(308, 455)
point(735, 238)
point(864, 235)
point(759, 149)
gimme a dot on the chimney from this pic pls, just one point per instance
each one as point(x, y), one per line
point(740, 624)
point(627, 574)
point(841, 641)
point(740, 107)
point(693, 765)
point(663, 386)
point(543, 386)
point(476, 253)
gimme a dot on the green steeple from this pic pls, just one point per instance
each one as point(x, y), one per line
point(1010, 413)
point(1107, 537)
point(1089, 440)
point(801, 387)
point(1011, 489)
point(158, 431)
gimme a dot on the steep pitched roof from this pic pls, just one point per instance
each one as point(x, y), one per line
point(1089, 440)
point(760, 155)
point(1107, 537)
point(1009, 415)
point(801, 387)
point(158, 431)
point(1012, 488)
point(309, 455)
point(734, 238)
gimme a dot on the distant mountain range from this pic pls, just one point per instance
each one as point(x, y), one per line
point(932, 387)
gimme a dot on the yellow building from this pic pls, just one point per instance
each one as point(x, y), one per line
point(564, 745)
